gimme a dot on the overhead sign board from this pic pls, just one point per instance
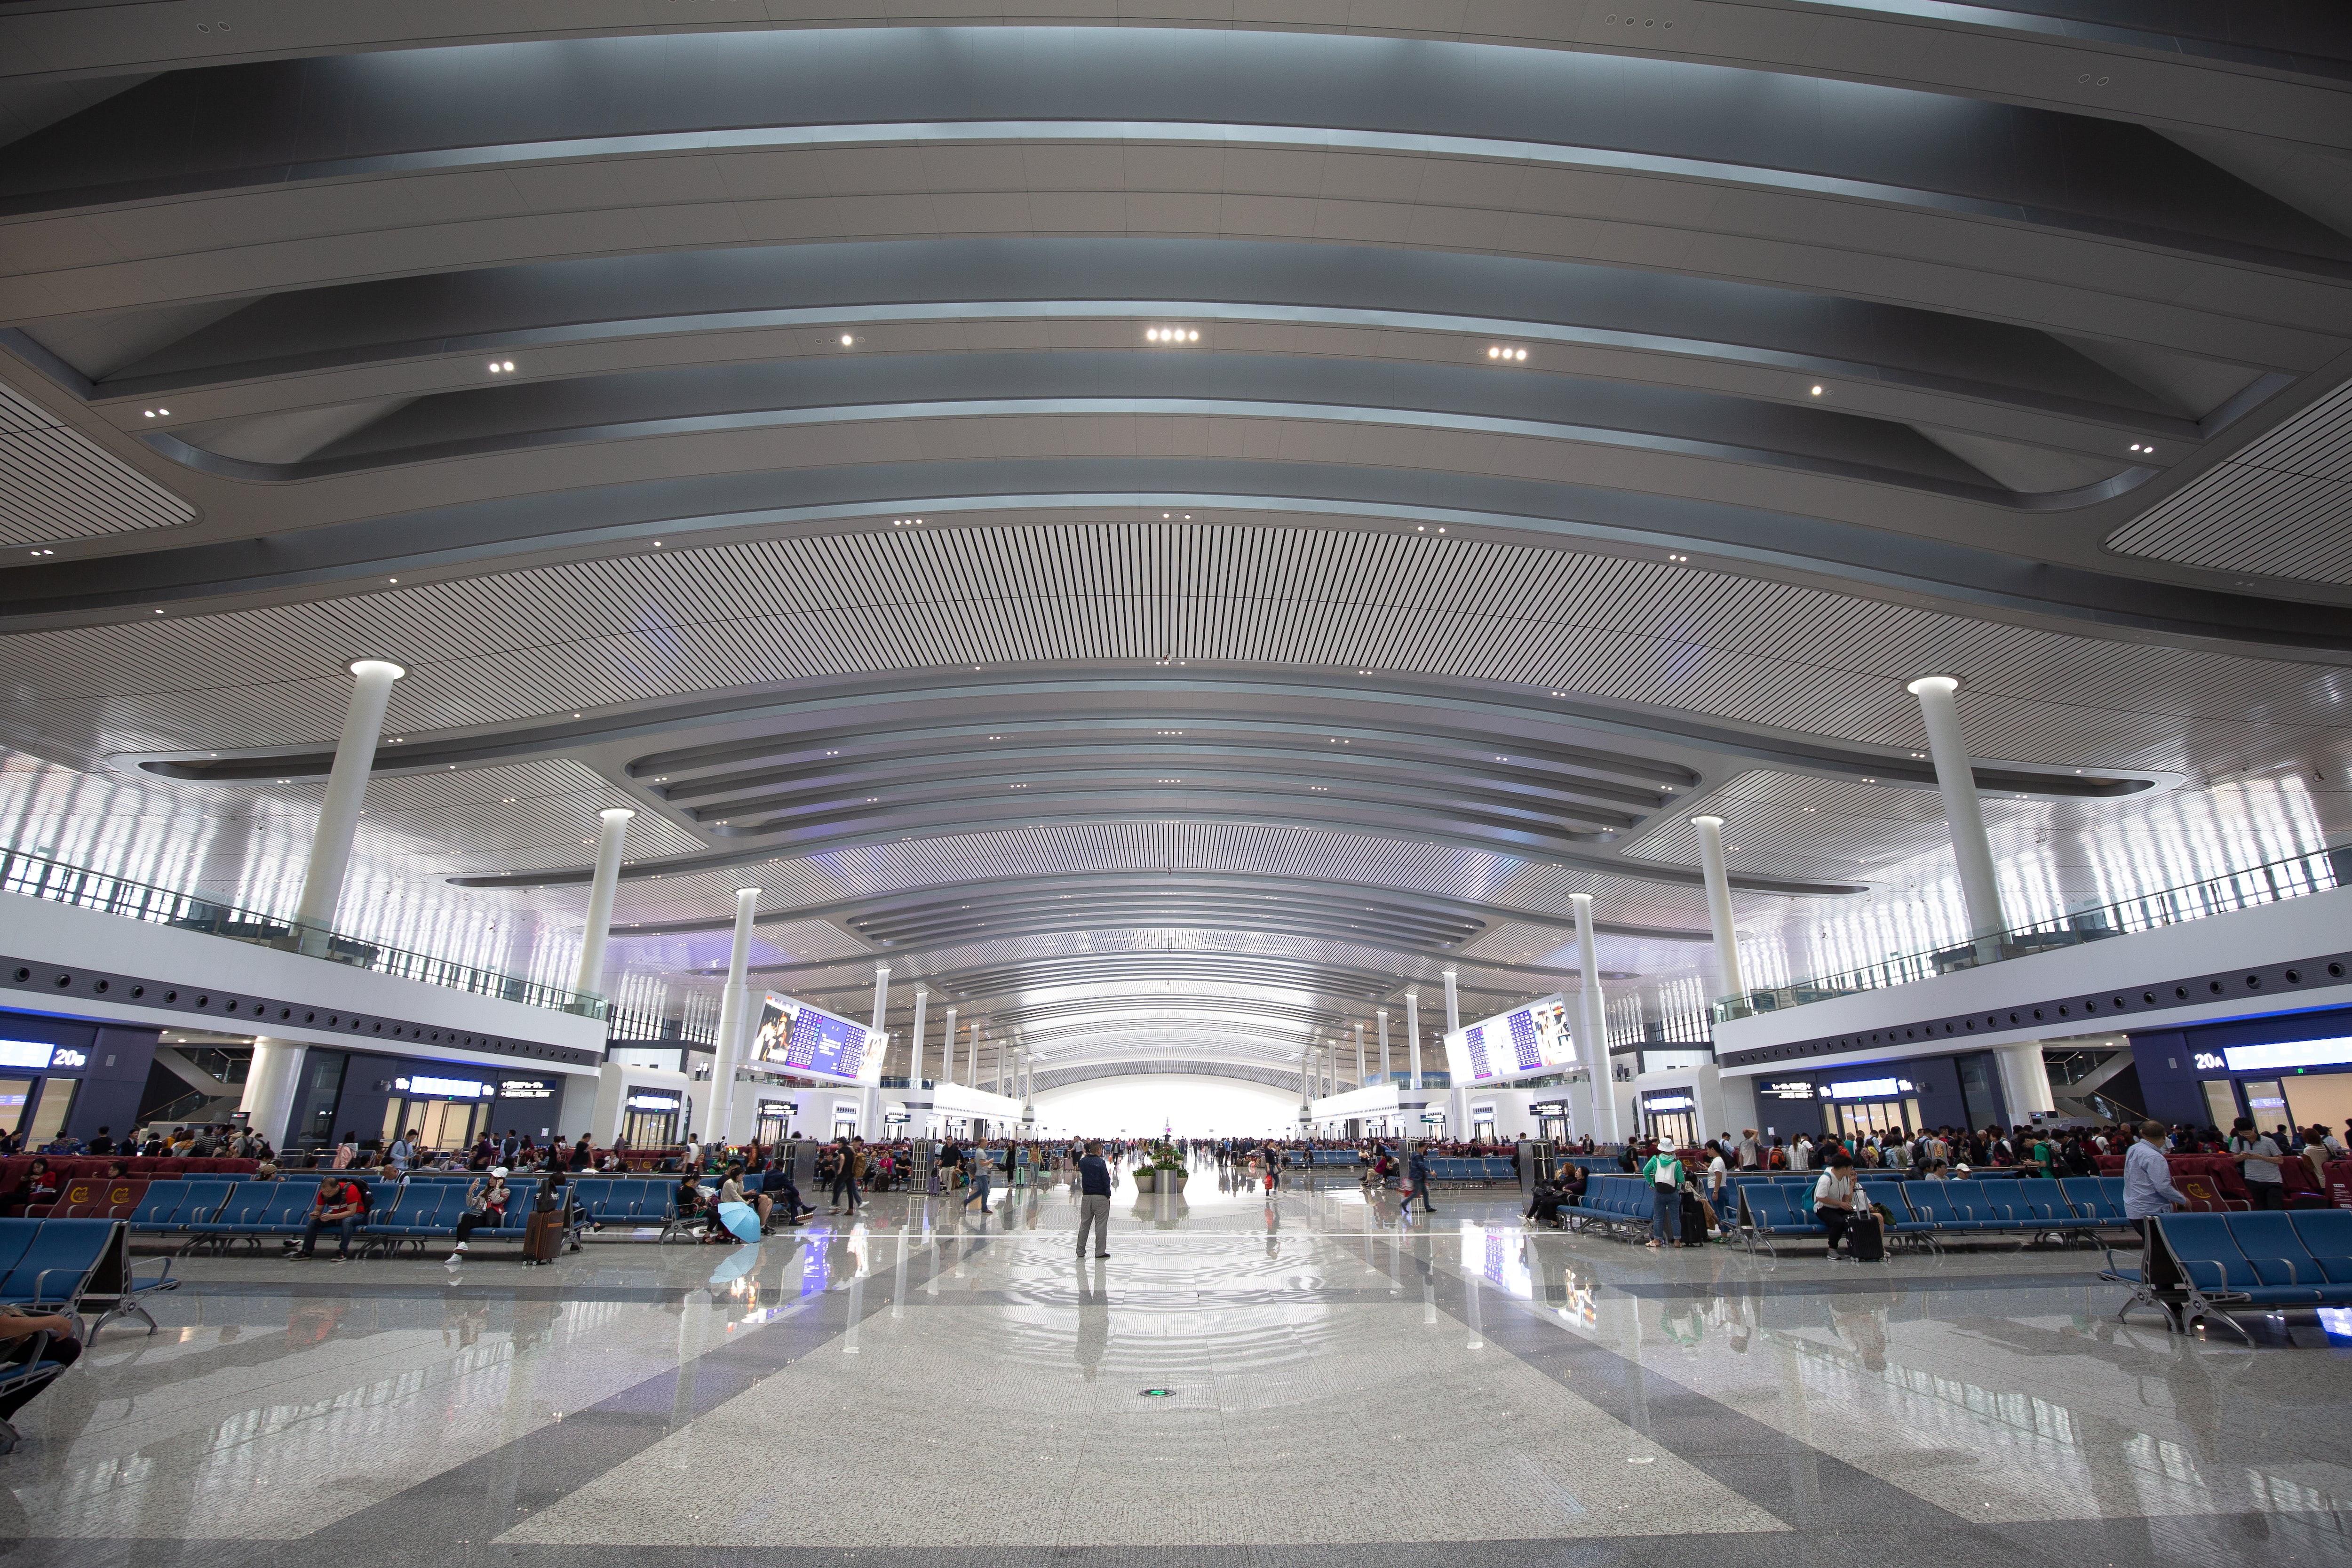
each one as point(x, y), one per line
point(2287, 1055)
point(799, 1038)
point(30, 1053)
point(1520, 1043)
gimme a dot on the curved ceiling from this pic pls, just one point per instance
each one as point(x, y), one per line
point(1146, 526)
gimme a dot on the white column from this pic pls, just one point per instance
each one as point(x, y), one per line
point(975, 1053)
point(870, 1108)
point(590, 981)
point(1706, 1099)
point(339, 814)
point(947, 1052)
point(1593, 1023)
point(604, 1123)
point(915, 1055)
point(717, 1102)
point(1729, 981)
point(1388, 1070)
point(1359, 1053)
point(2025, 1081)
point(271, 1082)
point(1457, 1098)
point(1413, 1036)
point(1979, 886)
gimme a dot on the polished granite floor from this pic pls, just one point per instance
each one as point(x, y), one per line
point(1301, 1382)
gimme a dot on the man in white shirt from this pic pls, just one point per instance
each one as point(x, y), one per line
point(1751, 1153)
point(1800, 1153)
point(2258, 1156)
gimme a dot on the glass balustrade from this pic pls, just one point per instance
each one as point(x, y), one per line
point(2269, 883)
point(38, 877)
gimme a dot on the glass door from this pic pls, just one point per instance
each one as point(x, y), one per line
point(50, 1110)
point(2221, 1102)
point(16, 1093)
point(2266, 1102)
point(650, 1128)
point(1674, 1129)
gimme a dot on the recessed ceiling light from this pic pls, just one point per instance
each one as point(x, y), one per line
point(1817, 391)
point(847, 340)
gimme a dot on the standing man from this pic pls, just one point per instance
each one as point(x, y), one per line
point(2148, 1192)
point(2147, 1180)
point(2258, 1155)
point(1751, 1153)
point(1094, 1200)
point(403, 1152)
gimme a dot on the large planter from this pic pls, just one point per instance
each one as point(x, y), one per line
point(1145, 1180)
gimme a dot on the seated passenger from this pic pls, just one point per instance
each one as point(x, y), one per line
point(21, 1344)
point(40, 1185)
point(1835, 1198)
point(1544, 1209)
point(730, 1191)
point(486, 1205)
point(341, 1203)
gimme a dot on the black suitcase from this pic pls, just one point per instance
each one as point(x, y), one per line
point(1694, 1226)
point(1865, 1237)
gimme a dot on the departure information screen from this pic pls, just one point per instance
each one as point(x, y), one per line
point(1517, 1044)
point(799, 1038)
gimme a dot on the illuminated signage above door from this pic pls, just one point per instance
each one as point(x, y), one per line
point(2288, 1055)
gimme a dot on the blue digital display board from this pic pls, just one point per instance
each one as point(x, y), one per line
point(1535, 1039)
point(810, 1041)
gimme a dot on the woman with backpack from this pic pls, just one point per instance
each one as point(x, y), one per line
point(1664, 1171)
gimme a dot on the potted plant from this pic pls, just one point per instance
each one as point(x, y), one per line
point(1165, 1167)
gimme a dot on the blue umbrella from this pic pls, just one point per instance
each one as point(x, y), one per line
point(741, 1218)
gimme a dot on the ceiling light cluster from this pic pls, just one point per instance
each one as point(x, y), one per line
point(43, 552)
point(2144, 449)
point(1498, 351)
point(152, 412)
point(905, 522)
point(502, 367)
point(1171, 335)
point(1671, 556)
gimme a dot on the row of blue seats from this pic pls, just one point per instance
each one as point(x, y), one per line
point(1615, 1205)
point(1862, 1173)
point(2209, 1263)
point(73, 1266)
point(1466, 1168)
point(2029, 1208)
point(216, 1212)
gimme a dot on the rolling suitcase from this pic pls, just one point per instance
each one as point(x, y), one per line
point(1695, 1224)
point(542, 1237)
point(1865, 1237)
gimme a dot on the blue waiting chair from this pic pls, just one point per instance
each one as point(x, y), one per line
point(1769, 1213)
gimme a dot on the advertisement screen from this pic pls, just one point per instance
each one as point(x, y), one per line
point(799, 1038)
point(1517, 1044)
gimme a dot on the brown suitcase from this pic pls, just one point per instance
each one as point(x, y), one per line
point(542, 1237)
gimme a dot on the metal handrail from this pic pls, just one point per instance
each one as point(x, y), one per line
point(2273, 881)
point(39, 876)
